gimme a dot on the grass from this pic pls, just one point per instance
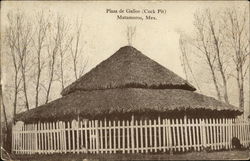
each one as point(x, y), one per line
point(221, 155)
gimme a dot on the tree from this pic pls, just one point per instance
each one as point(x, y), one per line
point(76, 50)
point(11, 41)
point(217, 37)
point(23, 38)
point(236, 31)
point(221, 38)
point(36, 48)
point(52, 50)
point(39, 44)
point(65, 41)
point(203, 43)
point(184, 59)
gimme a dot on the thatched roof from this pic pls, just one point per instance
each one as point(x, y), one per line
point(128, 67)
point(103, 102)
point(127, 82)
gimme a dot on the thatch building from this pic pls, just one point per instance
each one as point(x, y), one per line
point(129, 83)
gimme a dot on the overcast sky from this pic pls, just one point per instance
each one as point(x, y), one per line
point(104, 34)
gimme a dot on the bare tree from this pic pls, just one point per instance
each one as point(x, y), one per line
point(203, 43)
point(11, 41)
point(76, 50)
point(65, 41)
point(238, 43)
point(42, 26)
point(217, 45)
point(130, 34)
point(23, 39)
point(52, 50)
point(185, 61)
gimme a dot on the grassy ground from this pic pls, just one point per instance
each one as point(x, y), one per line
point(222, 155)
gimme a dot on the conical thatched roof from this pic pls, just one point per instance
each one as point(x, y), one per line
point(93, 104)
point(127, 82)
point(128, 67)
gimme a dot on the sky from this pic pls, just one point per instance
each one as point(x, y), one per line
point(105, 34)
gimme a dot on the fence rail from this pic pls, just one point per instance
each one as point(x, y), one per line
point(159, 135)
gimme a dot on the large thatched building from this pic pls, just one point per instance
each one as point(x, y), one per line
point(129, 83)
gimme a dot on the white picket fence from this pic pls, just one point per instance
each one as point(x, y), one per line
point(133, 136)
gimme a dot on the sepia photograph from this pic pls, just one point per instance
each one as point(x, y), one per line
point(125, 80)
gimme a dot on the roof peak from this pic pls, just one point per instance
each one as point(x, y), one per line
point(128, 68)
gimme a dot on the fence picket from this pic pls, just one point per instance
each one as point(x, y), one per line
point(114, 137)
point(91, 146)
point(136, 136)
point(97, 137)
point(119, 135)
point(101, 137)
point(223, 133)
point(106, 136)
point(77, 137)
point(190, 133)
point(150, 136)
point(178, 135)
point(81, 137)
point(146, 135)
point(221, 130)
point(133, 136)
point(141, 136)
point(123, 136)
point(93, 136)
point(186, 133)
point(128, 138)
point(155, 136)
point(208, 132)
point(174, 132)
point(164, 134)
point(159, 134)
point(181, 137)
